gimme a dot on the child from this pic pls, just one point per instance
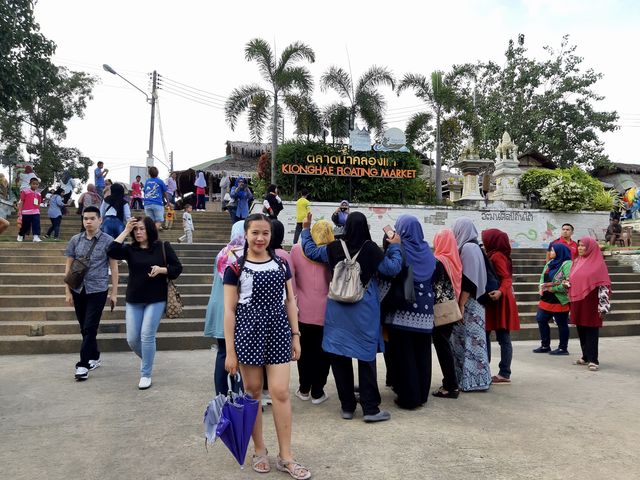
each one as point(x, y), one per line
point(169, 215)
point(55, 212)
point(261, 329)
point(187, 225)
point(30, 207)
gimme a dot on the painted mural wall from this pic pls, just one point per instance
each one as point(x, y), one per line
point(527, 228)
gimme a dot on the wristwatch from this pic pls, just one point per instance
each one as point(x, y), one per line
point(296, 333)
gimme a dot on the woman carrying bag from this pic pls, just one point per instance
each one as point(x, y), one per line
point(151, 262)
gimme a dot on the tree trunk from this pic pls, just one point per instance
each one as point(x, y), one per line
point(438, 160)
point(274, 138)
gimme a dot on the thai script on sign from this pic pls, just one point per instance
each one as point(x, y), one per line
point(511, 216)
point(349, 166)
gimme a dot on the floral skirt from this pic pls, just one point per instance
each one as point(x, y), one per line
point(469, 345)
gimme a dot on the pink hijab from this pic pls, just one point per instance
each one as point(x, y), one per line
point(588, 271)
point(446, 250)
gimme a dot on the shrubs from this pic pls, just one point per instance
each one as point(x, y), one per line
point(569, 189)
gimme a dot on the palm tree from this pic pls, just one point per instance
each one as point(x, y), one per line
point(440, 97)
point(336, 120)
point(307, 117)
point(365, 101)
point(282, 76)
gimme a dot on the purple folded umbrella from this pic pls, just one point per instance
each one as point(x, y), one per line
point(236, 423)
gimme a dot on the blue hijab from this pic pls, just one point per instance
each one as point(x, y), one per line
point(416, 249)
point(562, 255)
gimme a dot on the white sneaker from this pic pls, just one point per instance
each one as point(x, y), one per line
point(82, 373)
point(145, 382)
point(303, 396)
point(36, 238)
point(266, 398)
point(322, 399)
point(93, 364)
point(20, 238)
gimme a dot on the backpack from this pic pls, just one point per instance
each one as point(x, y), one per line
point(493, 282)
point(346, 286)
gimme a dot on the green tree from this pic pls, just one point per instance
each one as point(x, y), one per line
point(440, 97)
point(307, 116)
point(547, 105)
point(283, 77)
point(365, 100)
point(336, 119)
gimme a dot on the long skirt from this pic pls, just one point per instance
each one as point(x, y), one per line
point(469, 344)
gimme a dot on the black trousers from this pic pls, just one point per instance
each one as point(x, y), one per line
point(89, 307)
point(55, 227)
point(589, 343)
point(30, 223)
point(442, 343)
point(342, 368)
point(313, 365)
point(298, 231)
point(136, 204)
point(410, 363)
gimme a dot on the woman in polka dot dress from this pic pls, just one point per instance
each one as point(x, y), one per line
point(261, 330)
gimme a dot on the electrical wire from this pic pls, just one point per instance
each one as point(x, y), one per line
point(164, 146)
point(192, 99)
point(188, 93)
point(222, 98)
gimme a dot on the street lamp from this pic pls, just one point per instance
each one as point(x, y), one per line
point(151, 100)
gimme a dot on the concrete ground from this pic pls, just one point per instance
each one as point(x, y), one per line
point(556, 421)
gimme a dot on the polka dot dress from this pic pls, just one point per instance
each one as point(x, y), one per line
point(263, 335)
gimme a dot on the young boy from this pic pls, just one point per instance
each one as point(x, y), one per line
point(187, 225)
point(169, 216)
point(29, 205)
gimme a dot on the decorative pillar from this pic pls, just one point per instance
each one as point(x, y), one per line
point(470, 165)
point(507, 173)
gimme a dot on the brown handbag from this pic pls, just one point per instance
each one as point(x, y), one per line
point(446, 312)
point(174, 301)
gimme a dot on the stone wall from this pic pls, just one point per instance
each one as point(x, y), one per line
point(527, 228)
point(632, 260)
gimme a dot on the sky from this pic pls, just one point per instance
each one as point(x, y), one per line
point(198, 47)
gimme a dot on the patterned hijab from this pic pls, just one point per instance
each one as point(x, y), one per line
point(588, 271)
point(233, 251)
point(473, 266)
point(416, 249)
point(446, 250)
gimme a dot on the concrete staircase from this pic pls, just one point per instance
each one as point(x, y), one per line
point(35, 319)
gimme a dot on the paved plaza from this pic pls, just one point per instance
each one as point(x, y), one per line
point(556, 421)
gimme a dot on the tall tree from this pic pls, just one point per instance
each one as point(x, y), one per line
point(365, 101)
point(307, 116)
point(547, 105)
point(336, 120)
point(283, 76)
point(440, 97)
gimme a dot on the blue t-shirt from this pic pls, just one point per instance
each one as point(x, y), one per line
point(99, 178)
point(154, 189)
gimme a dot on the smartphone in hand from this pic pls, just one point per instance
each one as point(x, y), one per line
point(389, 231)
point(113, 305)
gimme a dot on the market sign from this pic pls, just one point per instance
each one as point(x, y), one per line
point(360, 140)
point(349, 166)
point(393, 140)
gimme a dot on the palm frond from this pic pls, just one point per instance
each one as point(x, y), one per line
point(336, 119)
point(371, 107)
point(258, 115)
point(306, 114)
point(239, 100)
point(337, 79)
point(259, 50)
point(418, 83)
point(375, 77)
point(295, 77)
point(293, 53)
point(418, 127)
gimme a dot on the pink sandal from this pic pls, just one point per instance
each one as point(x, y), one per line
point(293, 468)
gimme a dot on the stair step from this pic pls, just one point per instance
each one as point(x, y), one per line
point(71, 327)
point(56, 301)
point(43, 314)
point(609, 329)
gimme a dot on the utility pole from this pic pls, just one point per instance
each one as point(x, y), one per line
point(154, 85)
point(170, 162)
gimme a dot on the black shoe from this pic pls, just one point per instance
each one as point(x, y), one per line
point(558, 351)
point(542, 350)
point(442, 393)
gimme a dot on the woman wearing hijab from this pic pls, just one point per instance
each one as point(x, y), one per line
point(25, 177)
point(447, 281)
point(410, 325)
point(242, 196)
point(339, 217)
point(201, 185)
point(114, 211)
point(214, 317)
point(554, 300)
point(502, 313)
point(468, 339)
point(352, 330)
point(312, 286)
point(272, 204)
point(589, 291)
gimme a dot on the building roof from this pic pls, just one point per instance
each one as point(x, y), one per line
point(232, 165)
point(545, 162)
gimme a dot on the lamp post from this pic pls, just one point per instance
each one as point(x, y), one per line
point(151, 100)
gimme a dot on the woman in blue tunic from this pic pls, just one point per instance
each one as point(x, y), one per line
point(410, 325)
point(468, 339)
point(242, 195)
point(353, 330)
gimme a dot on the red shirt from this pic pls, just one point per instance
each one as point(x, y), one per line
point(571, 245)
point(30, 202)
point(136, 190)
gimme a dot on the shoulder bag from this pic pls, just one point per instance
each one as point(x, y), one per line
point(445, 308)
point(79, 267)
point(174, 301)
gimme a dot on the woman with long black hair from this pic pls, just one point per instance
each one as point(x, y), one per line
point(115, 211)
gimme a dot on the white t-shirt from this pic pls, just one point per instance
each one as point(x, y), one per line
point(187, 222)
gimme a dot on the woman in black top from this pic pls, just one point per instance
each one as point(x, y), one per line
point(146, 287)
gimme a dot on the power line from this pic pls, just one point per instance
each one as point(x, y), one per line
point(222, 97)
point(193, 99)
point(197, 96)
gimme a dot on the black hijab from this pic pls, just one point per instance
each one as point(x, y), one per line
point(356, 236)
point(116, 200)
point(277, 235)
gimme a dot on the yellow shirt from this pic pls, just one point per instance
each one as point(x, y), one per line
point(302, 209)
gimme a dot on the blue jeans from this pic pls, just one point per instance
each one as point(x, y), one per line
point(506, 351)
point(112, 226)
point(143, 320)
point(55, 227)
point(543, 318)
point(156, 212)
